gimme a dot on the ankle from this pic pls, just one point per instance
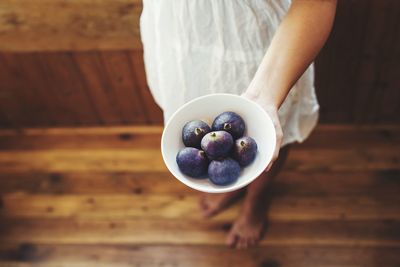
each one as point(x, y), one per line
point(262, 196)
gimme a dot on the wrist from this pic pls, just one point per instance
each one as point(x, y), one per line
point(264, 96)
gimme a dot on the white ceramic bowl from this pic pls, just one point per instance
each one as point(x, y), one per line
point(258, 126)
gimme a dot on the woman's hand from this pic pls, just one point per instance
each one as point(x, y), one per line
point(272, 111)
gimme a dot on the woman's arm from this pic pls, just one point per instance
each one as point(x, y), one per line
point(297, 41)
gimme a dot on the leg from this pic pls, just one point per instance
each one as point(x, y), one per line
point(212, 204)
point(248, 227)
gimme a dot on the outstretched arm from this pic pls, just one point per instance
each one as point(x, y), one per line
point(300, 36)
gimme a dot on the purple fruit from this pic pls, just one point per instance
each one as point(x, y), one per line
point(217, 144)
point(224, 171)
point(245, 150)
point(192, 161)
point(230, 122)
point(193, 132)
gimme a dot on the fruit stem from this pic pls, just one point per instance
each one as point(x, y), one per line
point(242, 143)
point(198, 131)
point(213, 134)
point(227, 126)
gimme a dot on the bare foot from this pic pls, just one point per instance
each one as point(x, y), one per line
point(248, 228)
point(212, 204)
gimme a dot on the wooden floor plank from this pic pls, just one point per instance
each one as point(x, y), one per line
point(366, 159)
point(375, 183)
point(93, 130)
point(356, 137)
point(82, 160)
point(130, 137)
point(338, 134)
point(65, 160)
point(123, 140)
point(91, 183)
point(19, 255)
point(206, 232)
point(185, 207)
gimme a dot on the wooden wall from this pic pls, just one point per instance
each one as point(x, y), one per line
point(79, 62)
point(358, 70)
point(75, 88)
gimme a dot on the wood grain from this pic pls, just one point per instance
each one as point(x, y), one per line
point(85, 88)
point(28, 254)
point(101, 196)
point(83, 160)
point(310, 183)
point(176, 206)
point(207, 232)
point(119, 160)
point(99, 88)
point(354, 71)
point(133, 137)
point(54, 25)
point(122, 81)
point(153, 112)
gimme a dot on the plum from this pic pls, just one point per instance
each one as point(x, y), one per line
point(193, 132)
point(224, 171)
point(217, 144)
point(231, 122)
point(244, 150)
point(192, 161)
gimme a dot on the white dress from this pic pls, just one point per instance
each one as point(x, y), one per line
point(198, 47)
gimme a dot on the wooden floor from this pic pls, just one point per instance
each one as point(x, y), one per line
point(103, 197)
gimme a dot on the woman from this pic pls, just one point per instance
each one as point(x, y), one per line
point(261, 49)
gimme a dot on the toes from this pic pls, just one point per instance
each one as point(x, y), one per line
point(252, 241)
point(249, 241)
point(246, 242)
point(207, 213)
point(232, 239)
point(202, 202)
point(238, 244)
point(204, 207)
point(241, 243)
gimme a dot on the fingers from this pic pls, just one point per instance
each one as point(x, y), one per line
point(279, 139)
point(273, 114)
point(269, 166)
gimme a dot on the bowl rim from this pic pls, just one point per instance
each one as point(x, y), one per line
point(221, 189)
